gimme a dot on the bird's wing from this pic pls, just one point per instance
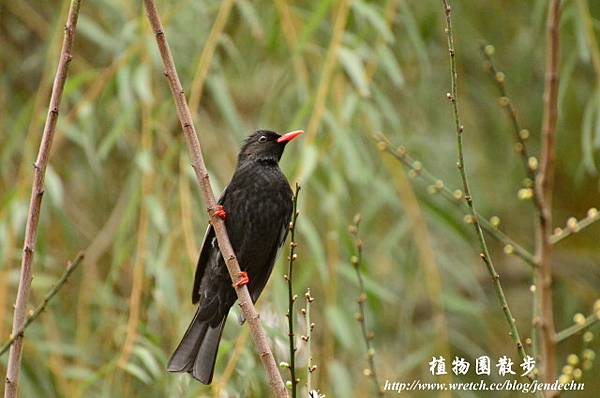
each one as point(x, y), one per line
point(261, 280)
point(208, 246)
point(258, 282)
point(209, 252)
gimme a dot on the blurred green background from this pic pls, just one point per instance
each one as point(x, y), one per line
point(120, 186)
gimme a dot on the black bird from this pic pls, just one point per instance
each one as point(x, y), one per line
point(256, 207)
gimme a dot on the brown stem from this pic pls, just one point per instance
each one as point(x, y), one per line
point(544, 186)
point(185, 118)
point(37, 191)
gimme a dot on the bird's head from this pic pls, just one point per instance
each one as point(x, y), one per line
point(265, 145)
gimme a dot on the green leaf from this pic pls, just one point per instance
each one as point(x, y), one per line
point(115, 133)
point(354, 67)
point(375, 18)
point(220, 93)
point(310, 159)
point(142, 84)
point(340, 325)
point(124, 91)
point(248, 12)
point(372, 287)
point(143, 160)
point(148, 360)
point(344, 382)
point(157, 214)
point(314, 243)
point(76, 80)
point(54, 187)
point(77, 373)
point(454, 303)
point(390, 65)
point(138, 373)
point(411, 25)
point(317, 16)
point(587, 146)
point(87, 27)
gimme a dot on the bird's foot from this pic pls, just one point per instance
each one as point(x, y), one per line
point(220, 212)
point(242, 279)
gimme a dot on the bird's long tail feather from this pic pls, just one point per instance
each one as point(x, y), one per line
point(197, 351)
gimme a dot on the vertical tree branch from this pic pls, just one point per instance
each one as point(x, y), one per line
point(291, 296)
point(185, 118)
point(545, 182)
point(484, 254)
point(37, 191)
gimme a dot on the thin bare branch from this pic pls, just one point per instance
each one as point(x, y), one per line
point(484, 254)
point(361, 314)
point(521, 134)
point(573, 226)
point(572, 330)
point(183, 112)
point(289, 277)
point(310, 366)
point(35, 203)
point(71, 266)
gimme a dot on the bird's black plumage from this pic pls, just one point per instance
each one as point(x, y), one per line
point(258, 204)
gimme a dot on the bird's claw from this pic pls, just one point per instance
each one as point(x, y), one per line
point(220, 212)
point(243, 279)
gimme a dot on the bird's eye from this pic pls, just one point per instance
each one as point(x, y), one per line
point(262, 139)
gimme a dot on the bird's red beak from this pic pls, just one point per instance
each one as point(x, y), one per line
point(290, 136)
